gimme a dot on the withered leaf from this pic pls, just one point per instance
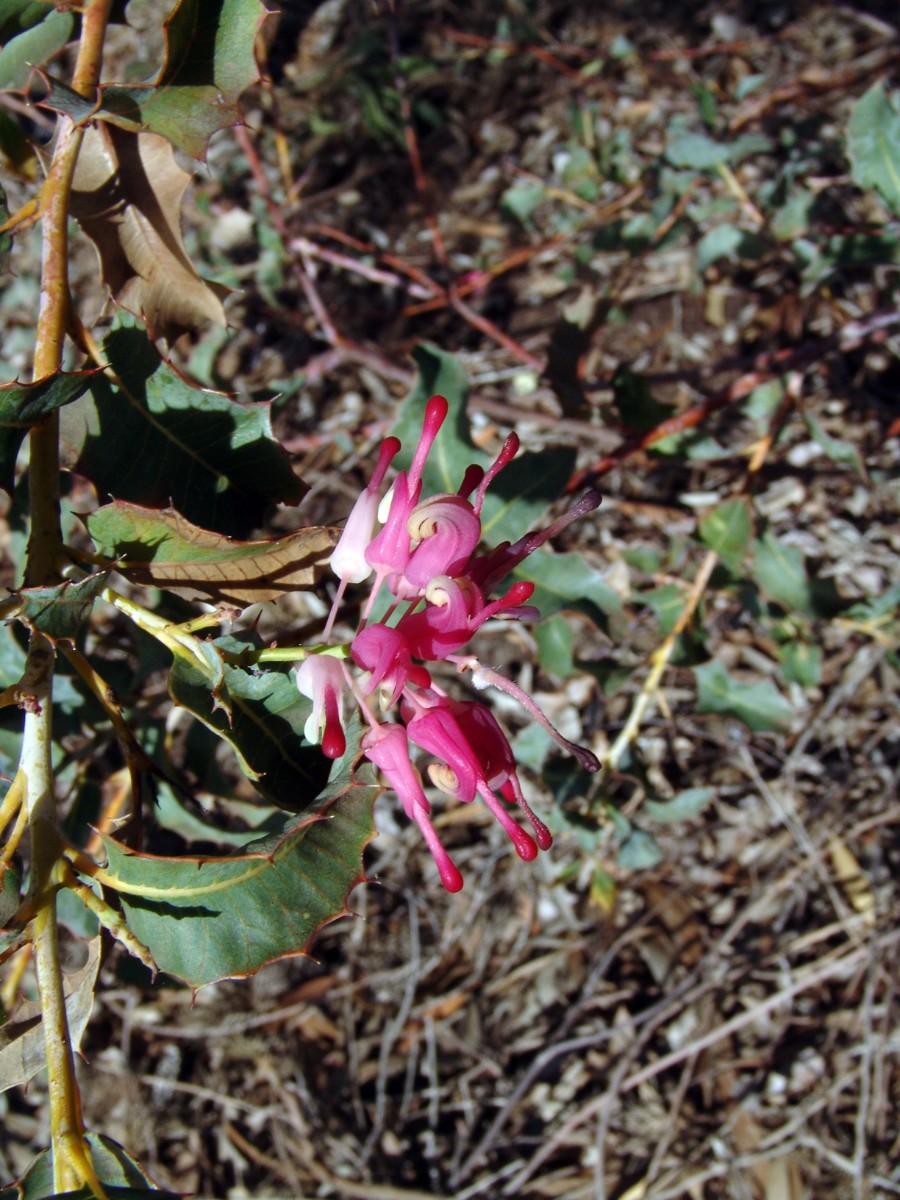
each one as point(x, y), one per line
point(126, 195)
point(163, 548)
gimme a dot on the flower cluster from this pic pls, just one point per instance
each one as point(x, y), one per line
point(425, 553)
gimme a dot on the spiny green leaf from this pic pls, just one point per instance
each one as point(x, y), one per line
point(759, 705)
point(261, 714)
point(60, 611)
point(123, 1178)
point(209, 63)
point(209, 919)
point(151, 437)
point(726, 529)
point(23, 405)
point(873, 143)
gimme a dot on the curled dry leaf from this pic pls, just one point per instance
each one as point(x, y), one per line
point(22, 1052)
point(163, 548)
point(126, 195)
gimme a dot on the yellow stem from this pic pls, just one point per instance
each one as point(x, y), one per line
point(12, 801)
point(660, 660)
point(72, 1165)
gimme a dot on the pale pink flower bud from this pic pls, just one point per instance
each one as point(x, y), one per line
point(321, 679)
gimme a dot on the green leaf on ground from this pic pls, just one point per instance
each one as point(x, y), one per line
point(261, 714)
point(520, 496)
point(638, 411)
point(556, 642)
point(210, 61)
point(216, 918)
point(162, 548)
point(728, 242)
point(151, 437)
point(566, 581)
point(727, 529)
point(639, 851)
point(683, 807)
point(759, 705)
point(667, 604)
point(60, 611)
point(700, 152)
point(873, 144)
point(801, 662)
point(24, 405)
point(839, 451)
point(781, 574)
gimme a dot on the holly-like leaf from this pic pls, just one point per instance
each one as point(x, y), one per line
point(122, 1177)
point(149, 436)
point(127, 194)
point(216, 918)
point(873, 143)
point(61, 610)
point(23, 405)
point(759, 705)
point(209, 62)
point(261, 714)
point(164, 549)
point(22, 1052)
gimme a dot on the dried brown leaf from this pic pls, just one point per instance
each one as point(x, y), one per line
point(127, 195)
point(163, 548)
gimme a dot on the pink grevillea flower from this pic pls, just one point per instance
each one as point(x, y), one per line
point(321, 678)
point(387, 746)
point(425, 555)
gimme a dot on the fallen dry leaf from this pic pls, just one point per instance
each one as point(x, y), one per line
point(126, 195)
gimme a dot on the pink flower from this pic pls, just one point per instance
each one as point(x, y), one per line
point(388, 748)
point(321, 678)
point(387, 656)
point(425, 554)
point(348, 559)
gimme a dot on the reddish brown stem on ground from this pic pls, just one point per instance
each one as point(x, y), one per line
point(768, 366)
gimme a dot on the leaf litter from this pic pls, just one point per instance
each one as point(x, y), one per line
point(727, 1025)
